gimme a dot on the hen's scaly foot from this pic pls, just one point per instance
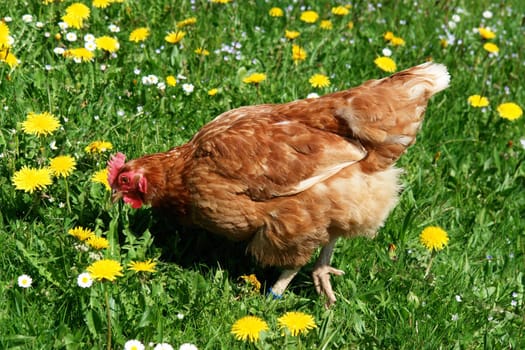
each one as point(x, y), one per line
point(321, 277)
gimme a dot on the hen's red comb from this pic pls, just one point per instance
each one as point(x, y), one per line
point(116, 162)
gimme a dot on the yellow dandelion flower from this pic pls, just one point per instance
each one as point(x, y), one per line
point(309, 16)
point(102, 4)
point(107, 43)
point(291, 34)
point(388, 36)
point(97, 242)
point(171, 80)
point(40, 124)
point(4, 35)
point(143, 266)
point(276, 12)
point(62, 165)
point(174, 37)
point(101, 176)
point(298, 53)
point(509, 111)
point(80, 53)
point(386, 63)
point(254, 78)
point(296, 322)
point(31, 179)
point(252, 281)
point(81, 233)
point(76, 14)
point(249, 328)
point(350, 25)
point(340, 11)
point(221, 1)
point(105, 269)
point(326, 25)
point(486, 33)
point(7, 57)
point(434, 238)
point(478, 101)
point(443, 43)
point(491, 48)
point(202, 51)
point(98, 147)
point(213, 92)
point(139, 34)
point(187, 22)
point(397, 41)
point(319, 81)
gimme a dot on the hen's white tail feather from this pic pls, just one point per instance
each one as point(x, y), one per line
point(435, 72)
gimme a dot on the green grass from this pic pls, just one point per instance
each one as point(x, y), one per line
point(465, 174)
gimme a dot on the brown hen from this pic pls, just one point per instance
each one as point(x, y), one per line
point(289, 178)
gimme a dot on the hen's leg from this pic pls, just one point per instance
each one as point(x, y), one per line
point(322, 271)
point(284, 280)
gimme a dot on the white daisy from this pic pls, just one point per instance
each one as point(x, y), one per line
point(71, 36)
point(133, 345)
point(24, 281)
point(84, 280)
point(27, 18)
point(188, 88)
point(163, 346)
point(188, 346)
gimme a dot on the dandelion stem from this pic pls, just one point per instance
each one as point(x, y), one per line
point(427, 272)
point(67, 196)
point(108, 314)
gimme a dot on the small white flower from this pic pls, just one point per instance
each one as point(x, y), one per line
point(452, 24)
point(121, 113)
point(58, 50)
point(188, 88)
point(161, 85)
point(514, 294)
point(10, 40)
point(24, 281)
point(90, 46)
point(47, 34)
point(7, 19)
point(153, 79)
point(487, 14)
point(181, 77)
point(71, 36)
point(89, 38)
point(514, 303)
point(63, 25)
point(133, 345)
point(84, 280)
point(455, 317)
point(163, 346)
point(52, 145)
point(27, 18)
point(48, 67)
point(114, 28)
point(458, 298)
point(39, 25)
point(77, 59)
point(136, 71)
point(387, 52)
point(188, 346)
point(312, 95)
point(180, 316)
point(103, 67)
point(456, 18)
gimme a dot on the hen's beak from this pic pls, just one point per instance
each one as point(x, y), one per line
point(115, 195)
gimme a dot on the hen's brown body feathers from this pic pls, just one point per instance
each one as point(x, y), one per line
point(295, 176)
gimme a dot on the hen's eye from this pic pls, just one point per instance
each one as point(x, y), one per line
point(124, 179)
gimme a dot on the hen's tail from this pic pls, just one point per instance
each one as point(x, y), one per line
point(386, 114)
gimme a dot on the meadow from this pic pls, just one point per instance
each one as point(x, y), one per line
point(81, 80)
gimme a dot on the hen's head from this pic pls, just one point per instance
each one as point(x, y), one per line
point(126, 181)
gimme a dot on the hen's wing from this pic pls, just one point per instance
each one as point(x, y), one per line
point(265, 155)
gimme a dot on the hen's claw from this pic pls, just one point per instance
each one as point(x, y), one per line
point(321, 277)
